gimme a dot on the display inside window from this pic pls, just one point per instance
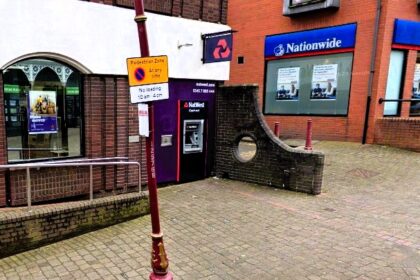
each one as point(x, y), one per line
point(416, 83)
point(288, 84)
point(324, 82)
point(42, 110)
point(315, 85)
point(415, 104)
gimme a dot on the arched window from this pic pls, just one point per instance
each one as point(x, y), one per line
point(43, 111)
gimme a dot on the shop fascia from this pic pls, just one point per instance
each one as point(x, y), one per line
point(332, 43)
point(325, 39)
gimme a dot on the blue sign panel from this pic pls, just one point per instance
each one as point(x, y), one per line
point(217, 47)
point(318, 40)
point(406, 32)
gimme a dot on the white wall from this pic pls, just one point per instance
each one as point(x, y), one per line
point(101, 37)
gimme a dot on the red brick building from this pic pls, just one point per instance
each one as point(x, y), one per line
point(64, 89)
point(374, 56)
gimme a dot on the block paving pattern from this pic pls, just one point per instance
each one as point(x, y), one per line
point(360, 227)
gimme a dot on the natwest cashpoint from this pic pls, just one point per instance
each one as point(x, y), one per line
point(352, 67)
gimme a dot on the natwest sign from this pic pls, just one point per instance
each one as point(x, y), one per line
point(318, 40)
point(217, 47)
point(194, 105)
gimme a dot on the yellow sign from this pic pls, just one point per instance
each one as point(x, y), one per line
point(147, 70)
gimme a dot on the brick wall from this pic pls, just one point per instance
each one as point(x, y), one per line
point(3, 151)
point(245, 16)
point(206, 10)
point(109, 120)
point(256, 19)
point(49, 184)
point(398, 132)
point(275, 163)
point(391, 9)
point(21, 230)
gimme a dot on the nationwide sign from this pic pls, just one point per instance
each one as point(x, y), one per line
point(318, 40)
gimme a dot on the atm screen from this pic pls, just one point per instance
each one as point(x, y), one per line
point(193, 136)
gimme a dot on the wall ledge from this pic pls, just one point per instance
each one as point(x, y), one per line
point(22, 230)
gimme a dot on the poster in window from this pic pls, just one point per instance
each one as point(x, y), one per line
point(324, 82)
point(416, 83)
point(288, 84)
point(42, 112)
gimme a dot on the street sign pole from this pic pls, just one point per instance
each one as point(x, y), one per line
point(159, 260)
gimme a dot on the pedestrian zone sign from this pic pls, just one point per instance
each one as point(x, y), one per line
point(148, 78)
point(147, 70)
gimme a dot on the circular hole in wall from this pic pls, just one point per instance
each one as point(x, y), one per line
point(246, 149)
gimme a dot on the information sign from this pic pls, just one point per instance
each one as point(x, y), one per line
point(147, 70)
point(148, 93)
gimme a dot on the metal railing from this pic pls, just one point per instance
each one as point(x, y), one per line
point(382, 100)
point(28, 151)
point(115, 161)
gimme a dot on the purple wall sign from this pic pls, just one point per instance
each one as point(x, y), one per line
point(166, 123)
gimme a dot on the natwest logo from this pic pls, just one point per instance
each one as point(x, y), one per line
point(330, 43)
point(222, 49)
point(194, 105)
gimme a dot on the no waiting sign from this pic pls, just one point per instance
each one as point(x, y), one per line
point(147, 70)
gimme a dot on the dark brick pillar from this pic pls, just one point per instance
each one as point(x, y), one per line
point(109, 129)
point(275, 163)
point(122, 126)
point(94, 108)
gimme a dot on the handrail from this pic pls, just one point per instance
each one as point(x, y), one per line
point(72, 163)
point(87, 159)
point(33, 149)
point(382, 100)
point(22, 150)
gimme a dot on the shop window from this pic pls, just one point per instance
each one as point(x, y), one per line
point(293, 7)
point(42, 110)
point(415, 105)
point(394, 87)
point(316, 85)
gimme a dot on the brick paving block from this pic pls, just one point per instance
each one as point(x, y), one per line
point(222, 229)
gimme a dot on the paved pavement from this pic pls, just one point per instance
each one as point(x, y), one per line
point(365, 225)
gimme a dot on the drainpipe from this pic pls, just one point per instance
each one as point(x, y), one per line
point(372, 69)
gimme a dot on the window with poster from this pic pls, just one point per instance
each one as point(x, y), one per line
point(309, 72)
point(43, 110)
